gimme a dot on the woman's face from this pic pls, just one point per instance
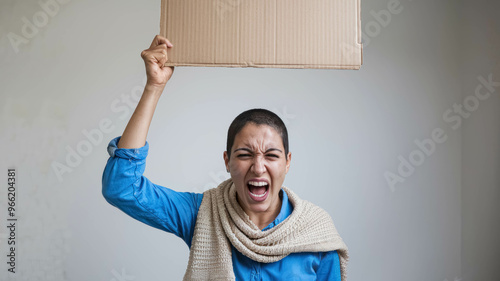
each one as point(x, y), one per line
point(258, 166)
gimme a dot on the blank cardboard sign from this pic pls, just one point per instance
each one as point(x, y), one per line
point(263, 33)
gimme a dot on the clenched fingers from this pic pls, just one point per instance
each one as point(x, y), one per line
point(157, 54)
point(158, 40)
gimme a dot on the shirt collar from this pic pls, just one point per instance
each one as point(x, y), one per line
point(286, 210)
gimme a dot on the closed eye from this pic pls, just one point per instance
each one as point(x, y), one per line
point(243, 155)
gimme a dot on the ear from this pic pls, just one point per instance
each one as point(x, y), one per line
point(288, 160)
point(226, 160)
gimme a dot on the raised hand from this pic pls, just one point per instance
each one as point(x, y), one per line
point(155, 58)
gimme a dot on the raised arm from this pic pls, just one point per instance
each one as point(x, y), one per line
point(136, 132)
point(123, 183)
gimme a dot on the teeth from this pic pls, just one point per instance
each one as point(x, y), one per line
point(257, 183)
point(259, 196)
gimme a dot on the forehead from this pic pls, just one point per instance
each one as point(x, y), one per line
point(253, 135)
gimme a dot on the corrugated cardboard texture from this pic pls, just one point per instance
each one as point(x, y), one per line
point(263, 33)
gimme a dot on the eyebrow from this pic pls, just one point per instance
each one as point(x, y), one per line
point(249, 150)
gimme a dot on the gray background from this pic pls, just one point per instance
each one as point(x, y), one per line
point(347, 129)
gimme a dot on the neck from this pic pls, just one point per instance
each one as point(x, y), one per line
point(263, 219)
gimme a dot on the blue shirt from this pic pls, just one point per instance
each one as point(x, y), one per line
point(125, 187)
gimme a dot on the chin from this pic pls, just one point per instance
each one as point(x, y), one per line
point(259, 207)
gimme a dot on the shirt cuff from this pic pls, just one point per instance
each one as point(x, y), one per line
point(127, 153)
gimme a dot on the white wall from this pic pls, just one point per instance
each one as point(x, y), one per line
point(347, 129)
point(481, 139)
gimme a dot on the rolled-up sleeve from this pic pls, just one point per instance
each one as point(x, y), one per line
point(125, 187)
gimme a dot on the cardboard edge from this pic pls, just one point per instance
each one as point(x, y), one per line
point(290, 66)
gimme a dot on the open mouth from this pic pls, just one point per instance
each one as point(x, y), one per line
point(258, 190)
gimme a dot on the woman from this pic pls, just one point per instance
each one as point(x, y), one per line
point(248, 228)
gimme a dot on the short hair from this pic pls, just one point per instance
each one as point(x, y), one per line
point(258, 116)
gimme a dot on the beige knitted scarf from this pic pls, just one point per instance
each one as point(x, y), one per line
point(221, 222)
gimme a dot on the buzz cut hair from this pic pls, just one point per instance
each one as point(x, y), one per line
point(257, 116)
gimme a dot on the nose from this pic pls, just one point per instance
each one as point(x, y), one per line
point(258, 166)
